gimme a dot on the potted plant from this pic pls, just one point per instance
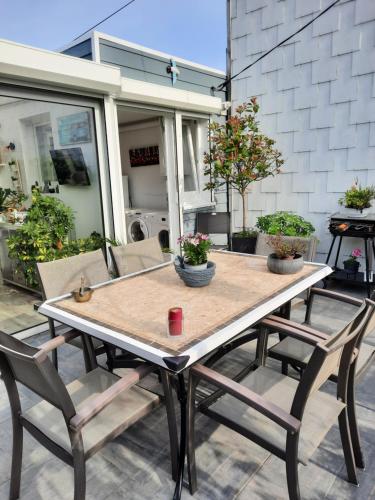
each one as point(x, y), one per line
point(287, 255)
point(240, 155)
point(196, 248)
point(194, 269)
point(351, 265)
point(286, 224)
point(357, 200)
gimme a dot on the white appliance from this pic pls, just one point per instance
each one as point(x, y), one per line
point(160, 228)
point(145, 223)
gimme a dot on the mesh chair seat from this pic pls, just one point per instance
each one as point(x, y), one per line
point(137, 256)
point(322, 411)
point(125, 410)
point(294, 349)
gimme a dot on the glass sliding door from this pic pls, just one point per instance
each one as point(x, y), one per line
point(48, 144)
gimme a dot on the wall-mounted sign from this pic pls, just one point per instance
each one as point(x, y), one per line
point(74, 129)
point(141, 157)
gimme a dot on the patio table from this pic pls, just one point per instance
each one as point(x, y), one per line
point(131, 312)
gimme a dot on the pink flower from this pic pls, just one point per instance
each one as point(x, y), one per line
point(357, 253)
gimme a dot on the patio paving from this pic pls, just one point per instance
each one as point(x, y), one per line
point(136, 465)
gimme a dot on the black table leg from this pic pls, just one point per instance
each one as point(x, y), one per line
point(330, 249)
point(367, 274)
point(338, 253)
point(182, 397)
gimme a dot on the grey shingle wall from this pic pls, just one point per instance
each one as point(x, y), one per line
point(317, 97)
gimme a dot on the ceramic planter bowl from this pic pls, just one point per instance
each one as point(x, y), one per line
point(283, 266)
point(193, 277)
point(354, 213)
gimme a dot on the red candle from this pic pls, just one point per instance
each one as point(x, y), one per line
point(175, 321)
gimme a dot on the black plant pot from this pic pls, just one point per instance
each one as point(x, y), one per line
point(351, 266)
point(243, 245)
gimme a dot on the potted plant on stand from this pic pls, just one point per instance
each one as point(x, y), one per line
point(240, 155)
point(287, 255)
point(351, 265)
point(357, 200)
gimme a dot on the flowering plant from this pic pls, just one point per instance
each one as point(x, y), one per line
point(195, 247)
point(358, 197)
point(356, 253)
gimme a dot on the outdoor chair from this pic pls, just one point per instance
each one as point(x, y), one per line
point(62, 276)
point(293, 352)
point(287, 417)
point(134, 257)
point(74, 421)
point(214, 223)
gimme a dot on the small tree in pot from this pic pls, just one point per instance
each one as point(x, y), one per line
point(240, 155)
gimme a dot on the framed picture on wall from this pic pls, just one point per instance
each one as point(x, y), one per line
point(142, 157)
point(74, 129)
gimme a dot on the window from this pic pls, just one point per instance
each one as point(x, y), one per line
point(194, 144)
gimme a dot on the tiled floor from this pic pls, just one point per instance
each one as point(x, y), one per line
point(16, 309)
point(136, 465)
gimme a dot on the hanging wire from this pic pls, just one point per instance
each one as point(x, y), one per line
point(105, 19)
point(226, 82)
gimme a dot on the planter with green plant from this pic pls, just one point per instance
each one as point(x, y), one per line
point(285, 224)
point(6, 195)
point(287, 255)
point(240, 155)
point(44, 237)
point(357, 200)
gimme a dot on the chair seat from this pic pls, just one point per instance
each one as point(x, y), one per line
point(294, 349)
point(124, 411)
point(321, 411)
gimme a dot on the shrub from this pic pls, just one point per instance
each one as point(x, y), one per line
point(357, 197)
point(285, 223)
point(286, 248)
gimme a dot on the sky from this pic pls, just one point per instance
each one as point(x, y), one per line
point(191, 29)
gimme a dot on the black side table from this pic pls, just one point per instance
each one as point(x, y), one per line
point(343, 226)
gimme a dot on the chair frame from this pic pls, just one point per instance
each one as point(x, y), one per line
point(292, 421)
point(55, 392)
point(354, 375)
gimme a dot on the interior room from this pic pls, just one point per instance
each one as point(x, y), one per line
point(144, 174)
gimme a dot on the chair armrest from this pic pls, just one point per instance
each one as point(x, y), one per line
point(97, 404)
point(291, 331)
point(330, 294)
point(58, 341)
point(247, 396)
point(37, 305)
point(304, 328)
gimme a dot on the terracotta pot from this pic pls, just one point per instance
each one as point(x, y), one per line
point(284, 266)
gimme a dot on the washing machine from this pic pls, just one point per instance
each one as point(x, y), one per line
point(138, 223)
point(160, 228)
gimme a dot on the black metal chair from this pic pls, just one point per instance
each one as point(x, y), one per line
point(75, 421)
point(287, 417)
point(214, 223)
point(293, 352)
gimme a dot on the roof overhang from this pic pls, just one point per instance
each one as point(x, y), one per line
point(38, 65)
point(150, 93)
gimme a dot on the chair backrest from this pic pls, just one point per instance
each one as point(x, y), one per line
point(137, 256)
point(263, 248)
point(213, 222)
point(32, 367)
point(335, 352)
point(62, 276)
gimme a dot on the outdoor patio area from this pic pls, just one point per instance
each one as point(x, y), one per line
point(137, 466)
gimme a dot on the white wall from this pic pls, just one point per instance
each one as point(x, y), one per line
point(16, 120)
point(147, 185)
point(317, 99)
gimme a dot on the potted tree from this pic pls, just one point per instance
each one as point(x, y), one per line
point(357, 200)
point(240, 155)
point(287, 255)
